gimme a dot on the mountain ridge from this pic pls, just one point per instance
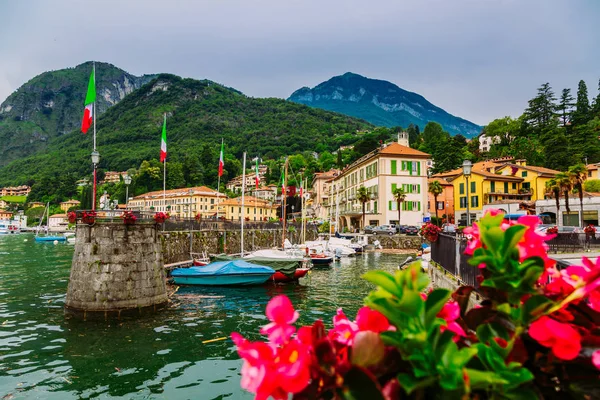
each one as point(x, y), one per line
point(380, 102)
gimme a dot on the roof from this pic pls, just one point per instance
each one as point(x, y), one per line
point(59, 216)
point(71, 202)
point(442, 181)
point(539, 170)
point(478, 166)
point(396, 148)
point(592, 167)
point(327, 174)
point(248, 201)
point(198, 191)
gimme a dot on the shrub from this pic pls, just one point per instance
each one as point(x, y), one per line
point(592, 185)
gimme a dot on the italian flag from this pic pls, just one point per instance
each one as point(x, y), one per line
point(257, 178)
point(90, 99)
point(221, 162)
point(163, 141)
point(282, 183)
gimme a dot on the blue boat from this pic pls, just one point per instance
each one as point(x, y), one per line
point(50, 238)
point(223, 273)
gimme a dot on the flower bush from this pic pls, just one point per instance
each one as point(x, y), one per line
point(552, 230)
point(128, 217)
point(88, 217)
point(72, 217)
point(159, 217)
point(198, 217)
point(590, 229)
point(534, 336)
point(430, 231)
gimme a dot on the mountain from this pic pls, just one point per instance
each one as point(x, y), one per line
point(199, 114)
point(51, 105)
point(381, 103)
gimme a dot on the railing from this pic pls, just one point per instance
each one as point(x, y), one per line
point(449, 253)
point(574, 242)
point(203, 225)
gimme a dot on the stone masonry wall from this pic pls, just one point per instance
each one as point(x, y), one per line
point(115, 268)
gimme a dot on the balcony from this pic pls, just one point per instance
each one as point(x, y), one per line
point(513, 192)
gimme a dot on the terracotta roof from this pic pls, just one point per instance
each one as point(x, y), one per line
point(491, 176)
point(539, 170)
point(478, 166)
point(442, 181)
point(592, 167)
point(396, 148)
point(198, 190)
point(71, 202)
point(248, 201)
point(59, 216)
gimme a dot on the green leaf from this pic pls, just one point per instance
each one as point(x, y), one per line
point(434, 304)
point(484, 379)
point(384, 281)
point(411, 303)
point(392, 338)
point(493, 239)
point(511, 237)
point(361, 384)
point(534, 307)
point(410, 384)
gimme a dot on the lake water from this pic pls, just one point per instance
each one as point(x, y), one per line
point(44, 355)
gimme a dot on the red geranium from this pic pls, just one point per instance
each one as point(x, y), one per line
point(160, 217)
point(88, 217)
point(128, 218)
point(72, 217)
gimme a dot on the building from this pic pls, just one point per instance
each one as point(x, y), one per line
point(381, 171)
point(267, 193)
point(591, 209)
point(65, 205)
point(496, 180)
point(5, 214)
point(15, 191)
point(35, 204)
point(113, 177)
point(235, 184)
point(184, 202)
point(592, 171)
point(58, 223)
point(445, 201)
point(486, 142)
point(256, 209)
point(319, 193)
point(3, 204)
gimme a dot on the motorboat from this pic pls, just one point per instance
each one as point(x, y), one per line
point(7, 228)
point(320, 259)
point(223, 273)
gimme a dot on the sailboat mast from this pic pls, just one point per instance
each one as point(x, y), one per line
point(243, 214)
point(284, 195)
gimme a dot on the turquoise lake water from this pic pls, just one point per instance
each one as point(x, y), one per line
point(44, 355)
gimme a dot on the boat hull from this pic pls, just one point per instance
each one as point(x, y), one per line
point(279, 277)
point(223, 280)
point(321, 260)
point(50, 239)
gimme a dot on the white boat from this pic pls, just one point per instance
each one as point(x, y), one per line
point(8, 227)
point(275, 254)
point(335, 247)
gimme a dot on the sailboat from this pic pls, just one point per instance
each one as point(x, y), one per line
point(47, 238)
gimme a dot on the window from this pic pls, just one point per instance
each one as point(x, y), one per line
point(392, 206)
point(440, 205)
point(463, 202)
point(212, 201)
point(526, 185)
point(473, 187)
point(393, 167)
point(514, 185)
point(492, 186)
point(505, 187)
point(474, 201)
point(375, 207)
point(524, 174)
point(461, 188)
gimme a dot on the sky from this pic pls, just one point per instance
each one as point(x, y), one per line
point(477, 59)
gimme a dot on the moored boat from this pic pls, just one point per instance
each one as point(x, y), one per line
point(280, 277)
point(321, 259)
point(223, 273)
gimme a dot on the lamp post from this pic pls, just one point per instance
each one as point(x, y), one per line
point(95, 162)
point(127, 180)
point(191, 193)
point(466, 166)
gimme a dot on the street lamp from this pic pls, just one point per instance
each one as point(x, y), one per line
point(95, 162)
point(191, 193)
point(466, 167)
point(127, 180)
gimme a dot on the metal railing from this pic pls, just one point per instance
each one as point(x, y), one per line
point(449, 253)
point(574, 242)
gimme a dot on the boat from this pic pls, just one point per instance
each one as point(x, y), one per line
point(223, 273)
point(7, 228)
point(279, 277)
point(200, 259)
point(321, 259)
point(47, 238)
point(70, 236)
point(286, 269)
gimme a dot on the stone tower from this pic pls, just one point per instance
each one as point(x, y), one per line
point(403, 138)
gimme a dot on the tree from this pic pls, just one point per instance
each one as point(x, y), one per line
point(582, 107)
point(435, 188)
point(578, 174)
point(596, 103)
point(362, 195)
point(400, 196)
point(564, 182)
point(541, 110)
point(553, 189)
point(340, 161)
point(565, 106)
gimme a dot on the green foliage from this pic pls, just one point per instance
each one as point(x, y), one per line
point(14, 199)
point(592, 185)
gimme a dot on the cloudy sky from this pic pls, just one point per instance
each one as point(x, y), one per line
point(478, 59)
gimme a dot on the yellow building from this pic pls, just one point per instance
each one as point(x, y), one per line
point(495, 181)
point(184, 202)
point(256, 209)
point(592, 171)
point(65, 205)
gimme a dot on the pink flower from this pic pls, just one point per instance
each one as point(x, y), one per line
point(562, 338)
point(281, 313)
point(293, 368)
point(474, 242)
point(596, 358)
point(450, 313)
point(343, 329)
point(371, 320)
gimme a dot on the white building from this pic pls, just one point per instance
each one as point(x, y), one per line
point(591, 208)
point(381, 171)
point(486, 142)
point(58, 223)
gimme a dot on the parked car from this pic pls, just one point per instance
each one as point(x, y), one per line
point(449, 228)
point(569, 229)
point(384, 230)
point(368, 228)
point(401, 228)
point(411, 230)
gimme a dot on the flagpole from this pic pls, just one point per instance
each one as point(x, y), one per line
point(243, 205)
point(94, 151)
point(283, 193)
point(219, 183)
point(165, 172)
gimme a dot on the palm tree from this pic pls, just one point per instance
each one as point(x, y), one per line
point(400, 196)
point(553, 189)
point(578, 174)
point(435, 188)
point(363, 195)
point(564, 182)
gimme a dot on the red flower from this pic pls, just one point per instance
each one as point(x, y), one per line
point(281, 313)
point(345, 330)
point(450, 313)
point(596, 358)
point(72, 216)
point(371, 320)
point(562, 338)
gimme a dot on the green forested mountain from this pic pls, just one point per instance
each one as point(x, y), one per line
point(381, 103)
point(199, 114)
point(51, 105)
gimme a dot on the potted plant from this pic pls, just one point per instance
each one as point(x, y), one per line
point(72, 217)
point(88, 217)
point(160, 217)
point(430, 232)
point(128, 218)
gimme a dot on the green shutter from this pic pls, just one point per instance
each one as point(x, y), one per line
point(393, 187)
point(473, 187)
point(461, 188)
point(493, 187)
point(419, 203)
point(393, 167)
point(419, 168)
point(390, 205)
point(410, 167)
point(419, 188)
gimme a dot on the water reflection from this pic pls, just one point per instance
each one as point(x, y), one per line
point(44, 355)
